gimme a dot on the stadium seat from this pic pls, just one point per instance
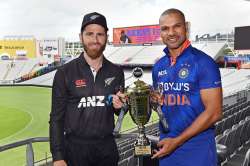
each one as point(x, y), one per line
point(129, 153)
point(218, 127)
point(243, 114)
point(238, 128)
point(248, 110)
point(221, 139)
point(226, 113)
point(123, 163)
point(126, 147)
point(228, 140)
point(230, 143)
point(247, 159)
point(245, 136)
point(132, 161)
point(237, 117)
point(228, 123)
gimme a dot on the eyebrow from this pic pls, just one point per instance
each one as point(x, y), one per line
point(178, 23)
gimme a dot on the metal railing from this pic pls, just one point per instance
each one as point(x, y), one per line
point(30, 152)
point(29, 148)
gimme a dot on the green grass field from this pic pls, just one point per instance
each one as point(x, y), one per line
point(24, 113)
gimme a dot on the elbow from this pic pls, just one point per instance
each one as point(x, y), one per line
point(217, 116)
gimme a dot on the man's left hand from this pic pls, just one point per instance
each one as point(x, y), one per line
point(166, 146)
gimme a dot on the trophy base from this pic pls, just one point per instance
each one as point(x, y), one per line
point(143, 150)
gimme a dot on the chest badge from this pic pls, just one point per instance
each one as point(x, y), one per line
point(108, 81)
point(80, 83)
point(183, 73)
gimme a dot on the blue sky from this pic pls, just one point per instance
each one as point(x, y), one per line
point(62, 18)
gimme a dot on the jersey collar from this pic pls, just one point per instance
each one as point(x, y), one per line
point(84, 62)
point(185, 45)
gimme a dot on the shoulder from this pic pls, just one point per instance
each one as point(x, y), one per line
point(159, 67)
point(70, 64)
point(205, 64)
point(69, 67)
point(201, 57)
point(160, 62)
point(112, 66)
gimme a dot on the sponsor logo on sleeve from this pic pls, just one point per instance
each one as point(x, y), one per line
point(217, 82)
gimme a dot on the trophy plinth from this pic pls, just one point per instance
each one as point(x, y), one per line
point(139, 109)
point(142, 146)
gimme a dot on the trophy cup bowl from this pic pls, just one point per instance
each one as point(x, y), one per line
point(138, 100)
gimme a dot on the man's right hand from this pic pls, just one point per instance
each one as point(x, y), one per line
point(59, 163)
point(118, 100)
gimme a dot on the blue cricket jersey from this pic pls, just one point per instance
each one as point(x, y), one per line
point(181, 84)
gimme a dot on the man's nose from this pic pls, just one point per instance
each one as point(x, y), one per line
point(171, 31)
point(95, 37)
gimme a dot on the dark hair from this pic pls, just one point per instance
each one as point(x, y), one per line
point(175, 11)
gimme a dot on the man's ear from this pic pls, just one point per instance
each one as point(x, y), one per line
point(80, 37)
point(107, 38)
point(187, 26)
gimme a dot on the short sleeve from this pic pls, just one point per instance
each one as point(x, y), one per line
point(208, 73)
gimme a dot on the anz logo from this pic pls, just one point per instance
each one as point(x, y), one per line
point(91, 101)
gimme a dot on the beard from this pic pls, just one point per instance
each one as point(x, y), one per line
point(94, 53)
point(176, 44)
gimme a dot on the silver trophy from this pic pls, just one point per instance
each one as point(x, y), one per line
point(138, 101)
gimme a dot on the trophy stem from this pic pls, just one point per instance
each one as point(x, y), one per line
point(141, 130)
point(142, 139)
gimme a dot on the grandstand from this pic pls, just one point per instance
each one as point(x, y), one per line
point(233, 80)
point(232, 131)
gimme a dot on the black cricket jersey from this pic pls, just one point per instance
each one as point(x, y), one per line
point(79, 106)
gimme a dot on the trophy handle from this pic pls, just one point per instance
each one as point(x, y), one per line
point(124, 110)
point(157, 107)
point(162, 119)
point(118, 124)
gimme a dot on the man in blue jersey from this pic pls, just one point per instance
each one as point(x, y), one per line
point(192, 97)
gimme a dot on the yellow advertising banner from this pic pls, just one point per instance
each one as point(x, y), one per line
point(18, 48)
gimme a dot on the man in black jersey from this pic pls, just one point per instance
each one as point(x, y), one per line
point(81, 121)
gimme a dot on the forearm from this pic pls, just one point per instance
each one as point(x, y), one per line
point(59, 106)
point(203, 122)
point(57, 140)
point(212, 100)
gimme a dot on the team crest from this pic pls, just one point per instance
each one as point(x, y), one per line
point(183, 73)
point(108, 81)
point(94, 17)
